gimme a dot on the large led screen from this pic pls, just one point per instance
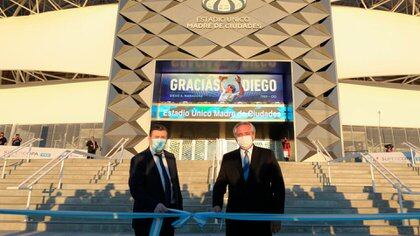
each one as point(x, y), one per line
point(226, 96)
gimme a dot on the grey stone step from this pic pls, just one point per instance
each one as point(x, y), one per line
point(326, 195)
point(206, 199)
point(127, 206)
point(102, 171)
point(81, 226)
point(204, 187)
point(412, 222)
point(306, 193)
point(78, 192)
point(90, 180)
point(201, 208)
point(412, 183)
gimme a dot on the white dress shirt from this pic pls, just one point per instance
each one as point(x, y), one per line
point(249, 155)
point(162, 180)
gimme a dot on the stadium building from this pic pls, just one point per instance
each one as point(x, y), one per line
point(340, 79)
point(342, 72)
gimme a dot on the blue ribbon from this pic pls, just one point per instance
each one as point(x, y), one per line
point(202, 217)
point(154, 229)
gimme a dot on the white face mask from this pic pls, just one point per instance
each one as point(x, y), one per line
point(158, 144)
point(245, 142)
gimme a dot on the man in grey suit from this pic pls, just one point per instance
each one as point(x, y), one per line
point(255, 184)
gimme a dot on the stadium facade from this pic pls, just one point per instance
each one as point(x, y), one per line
point(342, 75)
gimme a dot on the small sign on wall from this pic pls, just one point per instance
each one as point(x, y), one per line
point(36, 153)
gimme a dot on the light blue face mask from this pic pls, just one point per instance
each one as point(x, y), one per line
point(158, 144)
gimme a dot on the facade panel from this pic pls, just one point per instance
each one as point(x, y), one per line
point(263, 30)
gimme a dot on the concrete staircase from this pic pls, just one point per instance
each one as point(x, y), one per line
point(85, 188)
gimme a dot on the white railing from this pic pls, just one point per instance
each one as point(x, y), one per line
point(28, 144)
point(413, 151)
point(113, 157)
point(321, 150)
point(29, 182)
point(388, 175)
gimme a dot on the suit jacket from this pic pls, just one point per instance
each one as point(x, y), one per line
point(145, 183)
point(264, 190)
point(89, 144)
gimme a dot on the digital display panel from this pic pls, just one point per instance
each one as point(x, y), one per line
point(222, 91)
point(221, 88)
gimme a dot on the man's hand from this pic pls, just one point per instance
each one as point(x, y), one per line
point(238, 79)
point(275, 227)
point(217, 209)
point(160, 208)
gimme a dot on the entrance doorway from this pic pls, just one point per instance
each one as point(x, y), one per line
point(201, 101)
point(210, 140)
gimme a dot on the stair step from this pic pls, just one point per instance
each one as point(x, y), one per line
point(292, 227)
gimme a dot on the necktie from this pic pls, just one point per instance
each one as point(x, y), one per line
point(246, 165)
point(166, 180)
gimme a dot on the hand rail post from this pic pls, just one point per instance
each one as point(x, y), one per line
point(122, 153)
point(3, 171)
point(108, 170)
point(413, 161)
point(329, 172)
point(28, 156)
point(400, 203)
point(60, 178)
point(372, 176)
point(213, 167)
point(28, 203)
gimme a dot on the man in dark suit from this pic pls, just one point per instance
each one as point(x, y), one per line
point(154, 182)
point(255, 184)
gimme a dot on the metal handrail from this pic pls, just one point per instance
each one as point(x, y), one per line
point(215, 164)
point(29, 182)
point(27, 144)
point(118, 147)
point(323, 151)
point(397, 184)
point(413, 150)
point(378, 165)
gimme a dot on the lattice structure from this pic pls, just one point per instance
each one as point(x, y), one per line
point(269, 36)
point(10, 8)
point(410, 7)
point(174, 146)
point(291, 30)
point(207, 149)
point(187, 149)
point(199, 150)
point(24, 77)
point(400, 80)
